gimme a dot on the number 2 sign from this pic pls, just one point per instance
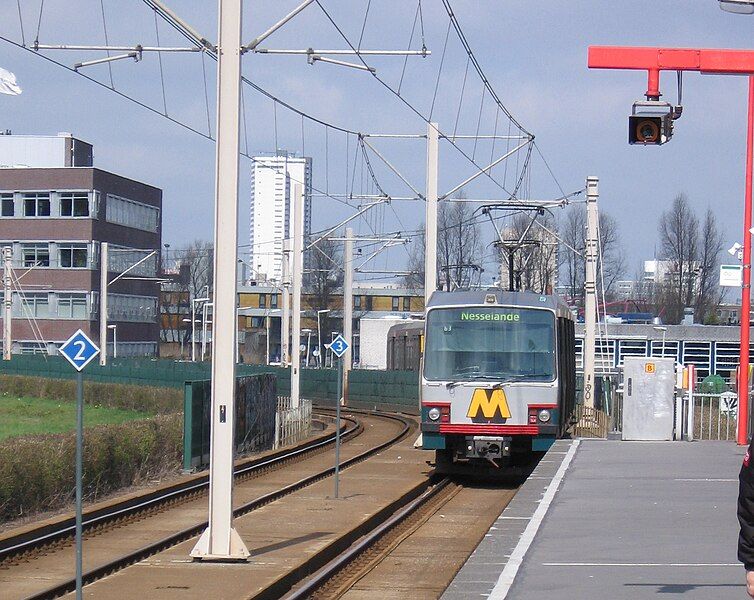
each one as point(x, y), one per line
point(79, 350)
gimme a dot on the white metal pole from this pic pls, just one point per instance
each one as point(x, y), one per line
point(267, 327)
point(430, 226)
point(285, 323)
point(319, 342)
point(193, 330)
point(115, 341)
point(7, 302)
point(220, 541)
point(204, 330)
point(590, 289)
point(298, 266)
point(103, 269)
point(347, 360)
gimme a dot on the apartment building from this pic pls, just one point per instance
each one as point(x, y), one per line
point(272, 181)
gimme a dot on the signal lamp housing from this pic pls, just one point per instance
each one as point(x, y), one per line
point(651, 123)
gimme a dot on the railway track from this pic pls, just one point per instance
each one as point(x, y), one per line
point(47, 544)
point(26, 541)
point(406, 547)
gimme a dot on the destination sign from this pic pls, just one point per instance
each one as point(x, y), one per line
point(490, 316)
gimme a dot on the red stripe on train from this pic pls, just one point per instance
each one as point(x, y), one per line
point(489, 429)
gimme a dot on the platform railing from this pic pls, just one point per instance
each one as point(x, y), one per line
point(292, 424)
point(590, 422)
point(715, 416)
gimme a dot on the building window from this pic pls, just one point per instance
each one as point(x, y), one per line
point(135, 309)
point(37, 205)
point(273, 300)
point(369, 303)
point(262, 300)
point(121, 258)
point(395, 303)
point(33, 348)
point(7, 205)
point(73, 256)
point(75, 204)
point(357, 302)
point(132, 214)
point(72, 306)
point(35, 255)
point(35, 305)
point(406, 303)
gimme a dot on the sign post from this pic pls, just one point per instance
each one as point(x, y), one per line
point(79, 350)
point(339, 346)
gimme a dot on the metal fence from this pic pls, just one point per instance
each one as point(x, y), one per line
point(292, 424)
point(714, 416)
point(366, 387)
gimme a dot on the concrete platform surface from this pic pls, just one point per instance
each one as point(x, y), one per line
point(630, 520)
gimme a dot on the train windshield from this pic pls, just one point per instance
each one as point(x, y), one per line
point(490, 343)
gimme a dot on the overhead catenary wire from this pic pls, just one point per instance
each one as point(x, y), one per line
point(408, 104)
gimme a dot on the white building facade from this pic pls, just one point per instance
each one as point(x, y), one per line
point(272, 181)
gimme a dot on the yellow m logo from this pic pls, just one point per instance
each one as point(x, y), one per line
point(489, 401)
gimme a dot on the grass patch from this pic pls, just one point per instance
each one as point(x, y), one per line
point(29, 416)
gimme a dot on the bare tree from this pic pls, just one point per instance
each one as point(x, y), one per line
point(708, 292)
point(679, 243)
point(612, 264)
point(459, 248)
point(535, 262)
point(195, 269)
point(324, 279)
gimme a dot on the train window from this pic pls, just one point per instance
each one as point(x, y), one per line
point(497, 343)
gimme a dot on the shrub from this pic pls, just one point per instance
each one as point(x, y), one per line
point(155, 400)
point(38, 472)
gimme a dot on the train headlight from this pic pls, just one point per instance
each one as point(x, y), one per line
point(543, 415)
point(434, 414)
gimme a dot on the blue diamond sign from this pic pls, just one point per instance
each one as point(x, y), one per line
point(79, 350)
point(339, 346)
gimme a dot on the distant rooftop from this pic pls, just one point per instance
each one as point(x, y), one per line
point(44, 151)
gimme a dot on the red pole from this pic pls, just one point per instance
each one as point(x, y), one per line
point(743, 370)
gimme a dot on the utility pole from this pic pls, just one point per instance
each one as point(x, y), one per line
point(298, 267)
point(347, 360)
point(103, 272)
point(7, 301)
point(285, 322)
point(590, 288)
point(430, 226)
point(220, 541)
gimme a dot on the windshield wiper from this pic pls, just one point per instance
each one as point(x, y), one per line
point(499, 379)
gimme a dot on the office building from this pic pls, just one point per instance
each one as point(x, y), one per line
point(55, 218)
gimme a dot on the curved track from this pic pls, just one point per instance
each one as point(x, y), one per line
point(115, 545)
point(415, 553)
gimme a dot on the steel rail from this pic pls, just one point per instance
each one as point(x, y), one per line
point(112, 566)
point(342, 561)
point(29, 541)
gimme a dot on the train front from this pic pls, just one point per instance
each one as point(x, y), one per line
point(489, 377)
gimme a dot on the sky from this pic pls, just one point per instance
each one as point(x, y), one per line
point(533, 53)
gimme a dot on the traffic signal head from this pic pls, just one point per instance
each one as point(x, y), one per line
point(650, 124)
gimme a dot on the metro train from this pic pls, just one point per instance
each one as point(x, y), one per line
point(498, 376)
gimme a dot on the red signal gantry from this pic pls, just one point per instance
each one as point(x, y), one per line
point(710, 61)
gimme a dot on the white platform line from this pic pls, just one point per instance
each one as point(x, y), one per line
point(505, 581)
point(598, 564)
point(701, 479)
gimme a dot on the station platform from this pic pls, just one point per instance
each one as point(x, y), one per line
point(620, 520)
